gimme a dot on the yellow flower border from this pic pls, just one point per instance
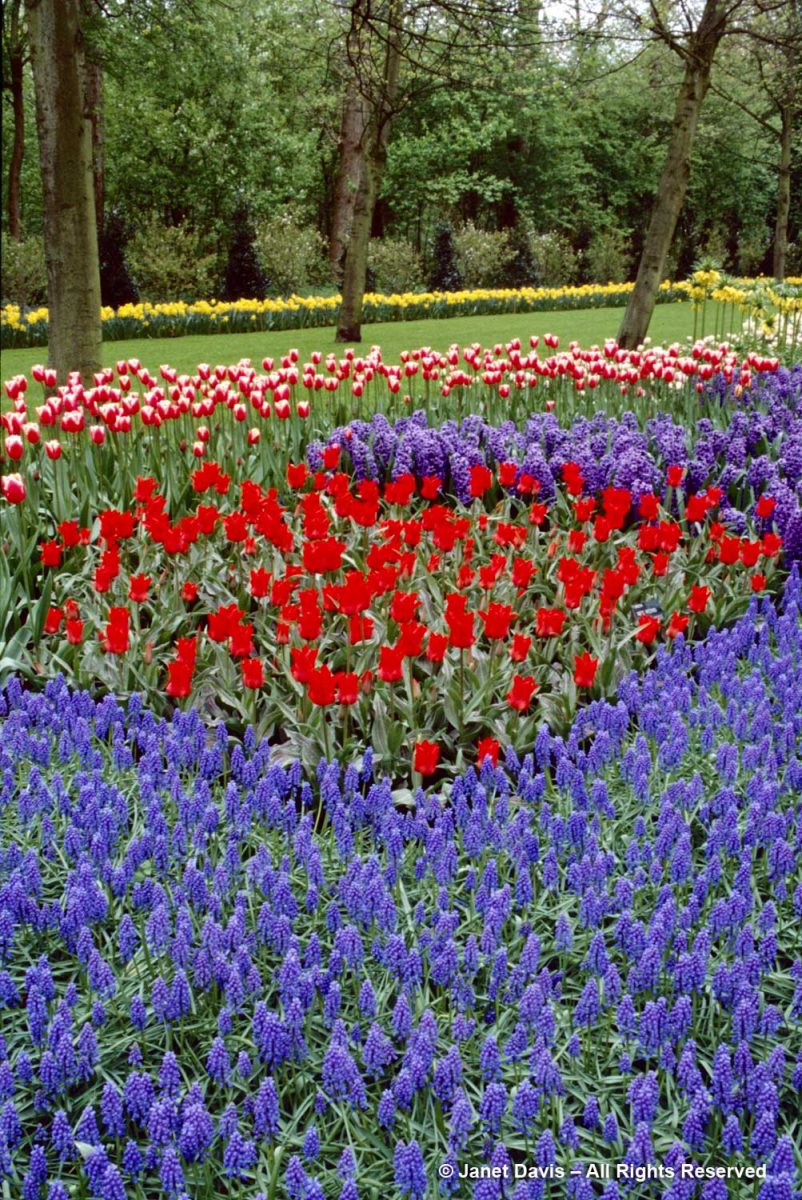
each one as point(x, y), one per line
point(176, 317)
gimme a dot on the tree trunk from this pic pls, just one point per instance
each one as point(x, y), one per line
point(349, 175)
point(374, 149)
point(93, 84)
point(16, 59)
point(349, 320)
point(674, 179)
point(783, 196)
point(65, 154)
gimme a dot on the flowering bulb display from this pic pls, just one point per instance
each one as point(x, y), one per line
point(375, 614)
point(400, 775)
point(218, 967)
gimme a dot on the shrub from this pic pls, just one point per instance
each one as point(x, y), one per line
point(396, 265)
point(116, 285)
point(793, 258)
point(171, 262)
point(714, 244)
point(522, 269)
point(608, 258)
point(244, 277)
point(555, 258)
point(752, 246)
point(292, 255)
point(446, 275)
point(483, 256)
point(24, 278)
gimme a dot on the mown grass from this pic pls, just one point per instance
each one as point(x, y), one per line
point(671, 322)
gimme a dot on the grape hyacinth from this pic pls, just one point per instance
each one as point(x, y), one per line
point(587, 950)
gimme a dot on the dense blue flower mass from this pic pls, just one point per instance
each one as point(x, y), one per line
point(587, 953)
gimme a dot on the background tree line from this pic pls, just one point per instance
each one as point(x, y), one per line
point(221, 134)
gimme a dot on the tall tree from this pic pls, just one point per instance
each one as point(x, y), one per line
point(65, 154)
point(14, 47)
point(697, 50)
point(376, 100)
point(439, 44)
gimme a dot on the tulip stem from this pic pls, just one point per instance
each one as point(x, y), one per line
point(326, 739)
point(461, 695)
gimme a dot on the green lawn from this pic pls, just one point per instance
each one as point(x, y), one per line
point(671, 322)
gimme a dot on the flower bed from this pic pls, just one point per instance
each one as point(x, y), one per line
point(433, 802)
point(219, 973)
point(138, 424)
point(746, 438)
point(357, 616)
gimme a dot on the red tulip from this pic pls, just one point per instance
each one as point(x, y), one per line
point(585, 668)
point(481, 480)
point(75, 631)
point(461, 634)
point(302, 662)
point(648, 627)
point(404, 606)
point(426, 757)
point(697, 601)
point(53, 620)
point(549, 622)
point(430, 487)
point(50, 553)
point(497, 619)
point(321, 687)
point(323, 555)
point(765, 507)
point(179, 678)
point(253, 672)
point(240, 644)
point(115, 639)
point(649, 507)
point(520, 694)
point(522, 571)
point(347, 684)
point(391, 664)
point(360, 629)
point(138, 586)
point(520, 647)
point(186, 650)
point(487, 748)
point(572, 478)
point(436, 647)
point(14, 447)
point(678, 624)
point(297, 475)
